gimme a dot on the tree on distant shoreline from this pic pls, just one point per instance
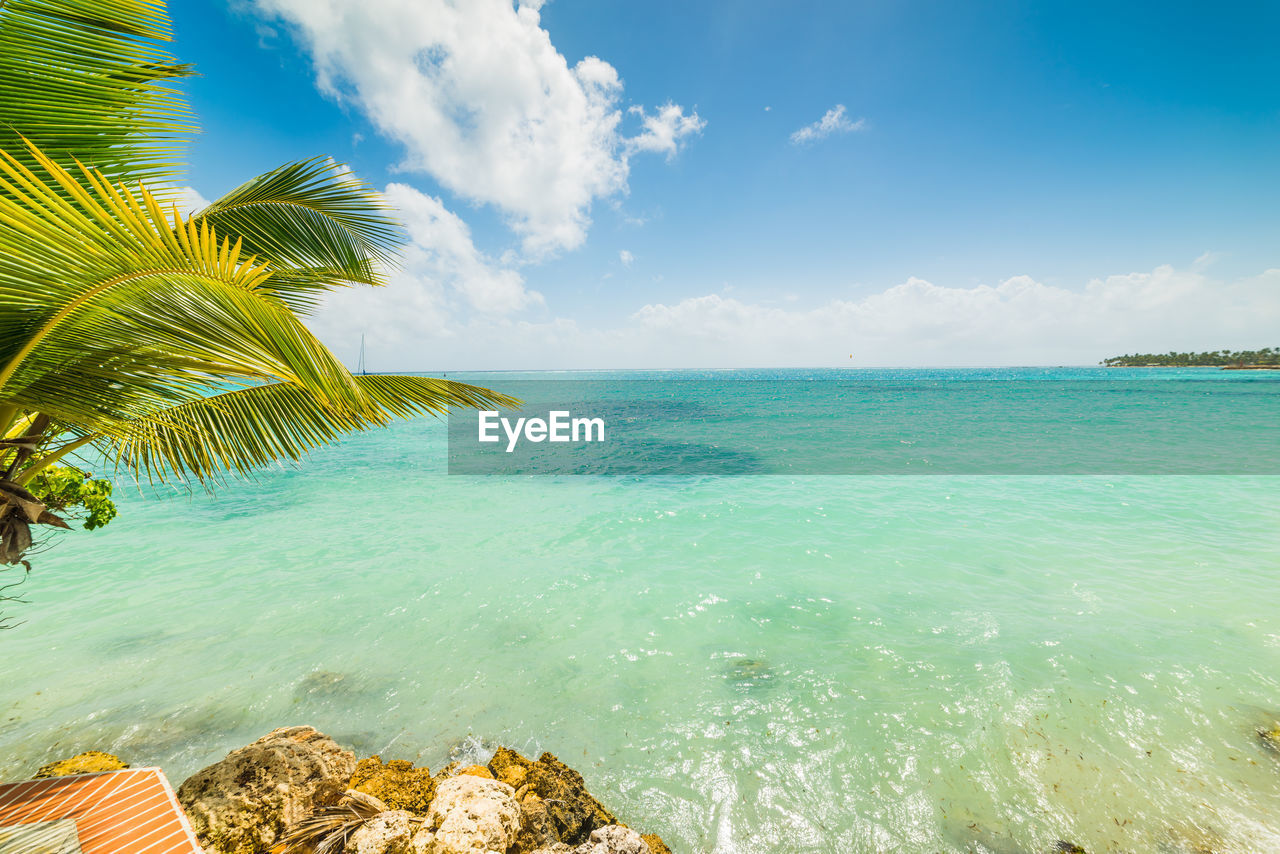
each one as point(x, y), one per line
point(171, 344)
point(1210, 358)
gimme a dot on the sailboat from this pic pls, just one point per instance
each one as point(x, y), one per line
point(360, 364)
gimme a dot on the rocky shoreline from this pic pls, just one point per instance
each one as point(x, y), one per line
point(297, 791)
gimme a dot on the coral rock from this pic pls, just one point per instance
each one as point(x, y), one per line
point(89, 762)
point(242, 804)
point(470, 815)
point(386, 833)
point(509, 767)
point(573, 812)
point(397, 784)
point(655, 843)
point(1270, 738)
point(448, 771)
point(613, 839)
point(476, 771)
point(536, 830)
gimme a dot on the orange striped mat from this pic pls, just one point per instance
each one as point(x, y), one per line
point(132, 811)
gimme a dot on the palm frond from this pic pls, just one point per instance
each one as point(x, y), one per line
point(116, 310)
point(247, 428)
point(87, 79)
point(314, 218)
point(118, 316)
point(406, 396)
point(327, 829)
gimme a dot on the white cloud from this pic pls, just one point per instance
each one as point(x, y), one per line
point(441, 247)
point(189, 200)
point(834, 121)
point(443, 277)
point(1206, 260)
point(626, 258)
point(483, 102)
point(664, 129)
point(266, 36)
point(1019, 321)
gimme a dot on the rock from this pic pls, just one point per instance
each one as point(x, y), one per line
point(476, 771)
point(613, 839)
point(1270, 738)
point(470, 815)
point(89, 762)
point(536, 829)
point(334, 687)
point(573, 812)
point(509, 767)
point(450, 770)
point(397, 784)
point(655, 843)
point(1064, 847)
point(386, 833)
point(748, 672)
point(325, 683)
point(242, 804)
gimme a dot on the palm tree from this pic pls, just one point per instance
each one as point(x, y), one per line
point(172, 344)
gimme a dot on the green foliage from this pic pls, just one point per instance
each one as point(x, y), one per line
point(1211, 358)
point(89, 79)
point(174, 346)
point(76, 494)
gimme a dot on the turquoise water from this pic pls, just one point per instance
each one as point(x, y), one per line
point(742, 664)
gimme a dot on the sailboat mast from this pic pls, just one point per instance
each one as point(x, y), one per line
point(360, 365)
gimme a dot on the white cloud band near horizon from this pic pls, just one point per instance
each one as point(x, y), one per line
point(415, 325)
point(484, 103)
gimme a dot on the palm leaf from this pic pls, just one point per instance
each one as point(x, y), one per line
point(117, 311)
point(246, 428)
point(326, 830)
point(86, 79)
point(317, 224)
point(118, 316)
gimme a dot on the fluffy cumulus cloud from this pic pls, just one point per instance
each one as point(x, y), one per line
point(484, 102)
point(1018, 321)
point(834, 120)
point(663, 131)
point(442, 277)
point(441, 248)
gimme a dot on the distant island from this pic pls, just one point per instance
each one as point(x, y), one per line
point(1268, 358)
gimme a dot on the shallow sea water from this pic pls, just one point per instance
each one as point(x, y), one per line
point(741, 664)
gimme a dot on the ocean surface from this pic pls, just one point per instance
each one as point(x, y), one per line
point(756, 663)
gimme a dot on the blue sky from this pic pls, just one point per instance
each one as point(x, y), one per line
point(1008, 183)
